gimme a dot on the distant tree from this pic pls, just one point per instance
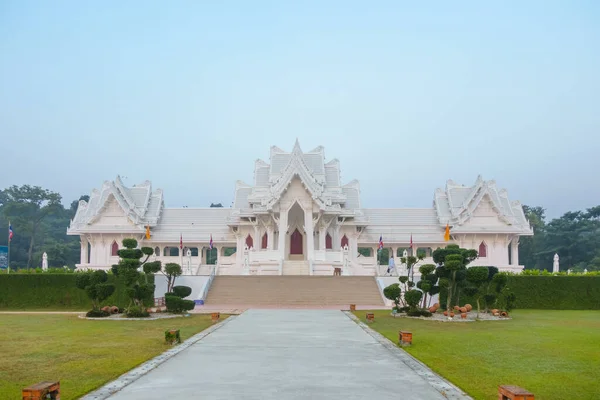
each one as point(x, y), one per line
point(213, 205)
point(75, 204)
point(531, 248)
point(27, 207)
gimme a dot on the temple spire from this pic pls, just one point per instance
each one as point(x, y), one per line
point(297, 149)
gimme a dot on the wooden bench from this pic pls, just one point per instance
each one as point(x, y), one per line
point(510, 392)
point(337, 271)
point(42, 391)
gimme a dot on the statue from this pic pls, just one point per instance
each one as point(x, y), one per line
point(45, 261)
point(555, 266)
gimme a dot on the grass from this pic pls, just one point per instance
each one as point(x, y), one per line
point(553, 354)
point(81, 354)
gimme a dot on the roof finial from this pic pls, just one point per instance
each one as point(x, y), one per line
point(297, 147)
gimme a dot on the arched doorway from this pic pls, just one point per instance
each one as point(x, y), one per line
point(296, 243)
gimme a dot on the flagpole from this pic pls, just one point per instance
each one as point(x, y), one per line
point(8, 255)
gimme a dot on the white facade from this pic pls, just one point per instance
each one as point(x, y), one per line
point(297, 218)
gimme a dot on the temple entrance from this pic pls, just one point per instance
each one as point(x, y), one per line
point(296, 243)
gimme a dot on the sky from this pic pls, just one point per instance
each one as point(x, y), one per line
point(188, 94)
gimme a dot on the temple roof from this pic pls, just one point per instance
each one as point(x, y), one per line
point(456, 204)
point(480, 208)
point(139, 204)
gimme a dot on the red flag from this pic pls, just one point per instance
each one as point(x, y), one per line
point(411, 242)
point(180, 241)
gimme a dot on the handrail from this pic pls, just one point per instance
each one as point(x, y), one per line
point(208, 284)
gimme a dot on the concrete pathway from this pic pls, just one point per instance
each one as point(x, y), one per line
point(284, 354)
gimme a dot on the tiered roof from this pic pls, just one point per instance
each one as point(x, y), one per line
point(455, 205)
point(322, 180)
point(139, 203)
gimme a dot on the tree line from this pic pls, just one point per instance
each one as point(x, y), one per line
point(40, 223)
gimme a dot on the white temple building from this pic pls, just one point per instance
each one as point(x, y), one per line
point(297, 218)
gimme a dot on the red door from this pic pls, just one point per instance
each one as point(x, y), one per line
point(296, 242)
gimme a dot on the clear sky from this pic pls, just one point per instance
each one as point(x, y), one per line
point(405, 94)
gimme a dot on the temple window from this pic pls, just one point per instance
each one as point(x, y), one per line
point(265, 241)
point(114, 249)
point(482, 250)
point(249, 241)
point(344, 241)
point(328, 242)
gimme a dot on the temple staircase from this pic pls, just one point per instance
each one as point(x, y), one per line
point(293, 291)
point(296, 267)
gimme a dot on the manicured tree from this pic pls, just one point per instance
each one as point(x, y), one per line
point(452, 262)
point(128, 270)
point(95, 286)
point(477, 277)
point(175, 301)
point(393, 293)
point(410, 262)
point(413, 297)
point(428, 282)
point(172, 271)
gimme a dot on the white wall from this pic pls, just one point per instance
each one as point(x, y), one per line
point(196, 282)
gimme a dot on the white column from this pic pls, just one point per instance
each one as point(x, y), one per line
point(515, 251)
point(84, 253)
point(283, 222)
point(239, 249)
point(270, 238)
point(310, 234)
point(322, 234)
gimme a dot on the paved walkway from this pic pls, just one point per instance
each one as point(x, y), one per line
point(284, 354)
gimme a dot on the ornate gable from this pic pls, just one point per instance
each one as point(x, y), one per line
point(137, 206)
point(479, 205)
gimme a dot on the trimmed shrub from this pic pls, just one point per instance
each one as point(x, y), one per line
point(182, 291)
point(97, 314)
point(176, 304)
point(392, 292)
point(546, 292)
point(56, 292)
point(419, 313)
point(413, 297)
point(137, 312)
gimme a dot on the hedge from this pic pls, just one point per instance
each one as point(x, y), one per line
point(562, 292)
point(54, 292)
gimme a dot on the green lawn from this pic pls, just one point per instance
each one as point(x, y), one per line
point(82, 354)
point(553, 354)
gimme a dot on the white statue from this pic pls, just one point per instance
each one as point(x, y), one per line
point(585, 271)
point(45, 261)
point(555, 266)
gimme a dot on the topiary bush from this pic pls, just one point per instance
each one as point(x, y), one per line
point(137, 312)
point(182, 291)
point(128, 271)
point(96, 288)
point(413, 297)
point(392, 292)
point(419, 313)
point(97, 314)
point(176, 304)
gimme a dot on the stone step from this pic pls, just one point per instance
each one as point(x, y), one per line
point(294, 290)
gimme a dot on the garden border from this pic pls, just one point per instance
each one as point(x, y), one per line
point(445, 387)
point(133, 375)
